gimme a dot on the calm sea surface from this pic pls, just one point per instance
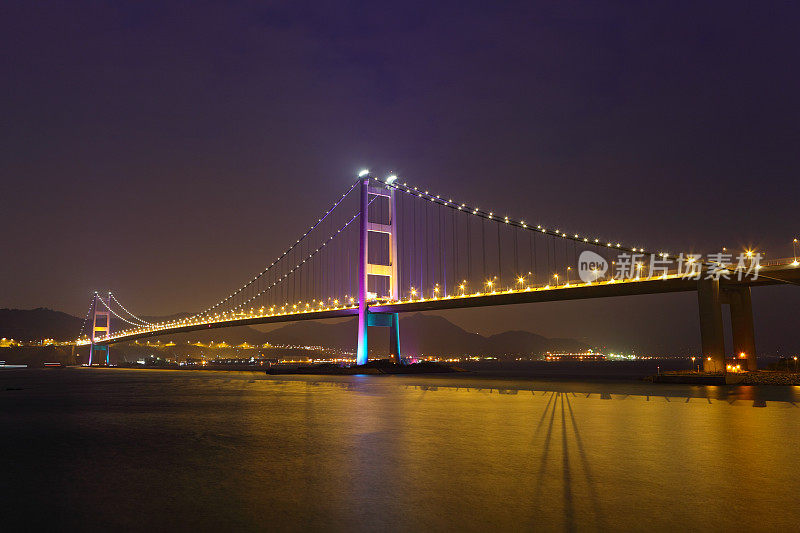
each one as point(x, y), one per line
point(95, 449)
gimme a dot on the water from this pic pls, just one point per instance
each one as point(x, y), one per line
point(94, 449)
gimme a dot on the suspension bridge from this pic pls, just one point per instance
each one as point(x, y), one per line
point(387, 247)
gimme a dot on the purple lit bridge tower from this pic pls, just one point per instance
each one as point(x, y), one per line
point(384, 235)
point(100, 325)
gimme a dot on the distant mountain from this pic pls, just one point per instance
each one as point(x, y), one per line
point(525, 342)
point(432, 334)
point(36, 324)
point(420, 334)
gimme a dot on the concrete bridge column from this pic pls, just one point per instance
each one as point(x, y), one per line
point(742, 324)
point(712, 336)
point(394, 338)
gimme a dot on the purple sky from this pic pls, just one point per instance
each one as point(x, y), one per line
point(169, 150)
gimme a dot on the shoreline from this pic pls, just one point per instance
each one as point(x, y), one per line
point(575, 386)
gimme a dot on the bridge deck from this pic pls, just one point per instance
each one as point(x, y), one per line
point(769, 275)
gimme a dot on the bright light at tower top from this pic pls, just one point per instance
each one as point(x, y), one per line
point(391, 179)
point(363, 172)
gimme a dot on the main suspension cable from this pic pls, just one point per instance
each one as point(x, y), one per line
point(86, 318)
point(310, 256)
point(289, 250)
point(116, 315)
point(488, 215)
point(131, 314)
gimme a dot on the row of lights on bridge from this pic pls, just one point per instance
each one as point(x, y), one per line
point(391, 182)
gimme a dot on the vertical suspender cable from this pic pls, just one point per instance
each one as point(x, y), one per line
point(566, 256)
point(416, 250)
point(302, 273)
point(429, 265)
point(483, 245)
point(469, 247)
point(532, 250)
point(294, 277)
point(499, 257)
point(455, 248)
point(547, 246)
point(442, 252)
point(349, 274)
point(575, 253)
point(555, 256)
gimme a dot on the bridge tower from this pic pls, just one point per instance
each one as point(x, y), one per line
point(103, 326)
point(367, 269)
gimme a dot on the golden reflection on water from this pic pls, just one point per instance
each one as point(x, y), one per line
point(245, 451)
point(434, 456)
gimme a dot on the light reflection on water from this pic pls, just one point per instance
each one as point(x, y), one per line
point(218, 450)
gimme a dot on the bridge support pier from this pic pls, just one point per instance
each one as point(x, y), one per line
point(386, 320)
point(712, 336)
point(98, 348)
point(394, 338)
point(744, 343)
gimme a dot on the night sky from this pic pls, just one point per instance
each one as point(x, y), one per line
point(170, 150)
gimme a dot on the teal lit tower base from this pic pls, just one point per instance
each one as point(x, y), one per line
point(386, 320)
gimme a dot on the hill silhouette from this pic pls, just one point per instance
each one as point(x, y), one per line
point(36, 324)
